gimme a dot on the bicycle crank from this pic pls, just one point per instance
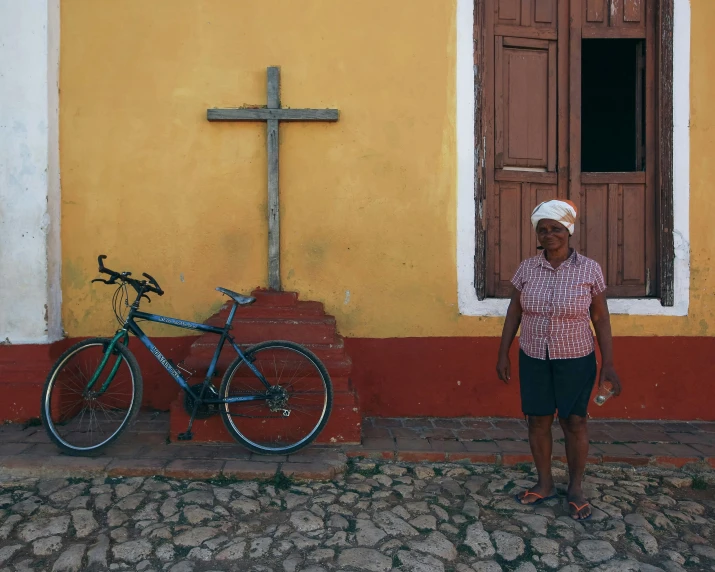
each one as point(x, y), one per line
point(205, 410)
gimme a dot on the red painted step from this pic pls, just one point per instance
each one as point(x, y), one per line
point(296, 312)
point(301, 330)
point(273, 298)
point(338, 363)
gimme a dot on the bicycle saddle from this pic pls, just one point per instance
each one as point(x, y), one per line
point(238, 298)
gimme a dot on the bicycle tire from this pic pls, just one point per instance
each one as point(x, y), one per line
point(249, 423)
point(52, 383)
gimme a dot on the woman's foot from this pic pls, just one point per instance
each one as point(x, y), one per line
point(536, 494)
point(579, 508)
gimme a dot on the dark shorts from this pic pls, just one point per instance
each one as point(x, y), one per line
point(562, 385)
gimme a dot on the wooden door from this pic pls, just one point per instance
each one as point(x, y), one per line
point(532, 135)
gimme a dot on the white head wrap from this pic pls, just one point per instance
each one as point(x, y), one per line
point(560, 211)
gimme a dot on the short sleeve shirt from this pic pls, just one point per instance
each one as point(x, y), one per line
point(555, 304)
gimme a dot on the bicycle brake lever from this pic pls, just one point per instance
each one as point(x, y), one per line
point(100, 280)
point(147, 297)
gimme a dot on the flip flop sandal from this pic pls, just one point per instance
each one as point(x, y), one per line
point(538, 500)
point(579, 509)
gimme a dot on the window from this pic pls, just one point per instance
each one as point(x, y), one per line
point(569, 110)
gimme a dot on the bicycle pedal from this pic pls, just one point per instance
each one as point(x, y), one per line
point(188, 436)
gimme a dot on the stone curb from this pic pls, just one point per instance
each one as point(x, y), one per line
point(305, 469)
point(511, 459)
point(194, 469)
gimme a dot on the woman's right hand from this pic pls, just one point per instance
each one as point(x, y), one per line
point(504, 368)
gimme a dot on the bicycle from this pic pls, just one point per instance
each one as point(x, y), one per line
point(274, 398)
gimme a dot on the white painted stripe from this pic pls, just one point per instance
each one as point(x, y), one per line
point(29, 172)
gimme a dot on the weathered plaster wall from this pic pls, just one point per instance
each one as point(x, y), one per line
point(368, 204)
point(29, 172)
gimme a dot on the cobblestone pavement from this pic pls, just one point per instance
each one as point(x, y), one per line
point(376, 517)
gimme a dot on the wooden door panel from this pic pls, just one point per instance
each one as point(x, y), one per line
point(508, 12)
point(509, 233)
point(634, 11)
point(633, 243)
point(613, 219)
point(594, 225)
point(526, 107)
point(525, 104)
point(596, 12)
point(545, 12)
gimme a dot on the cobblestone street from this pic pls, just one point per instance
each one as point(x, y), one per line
point(377, 516)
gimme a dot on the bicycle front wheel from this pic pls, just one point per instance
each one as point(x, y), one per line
point(82, 420)
point(289, 414)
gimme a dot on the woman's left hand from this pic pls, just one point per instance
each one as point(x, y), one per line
point(608, 373)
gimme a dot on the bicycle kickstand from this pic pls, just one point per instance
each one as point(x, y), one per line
point(188, 435)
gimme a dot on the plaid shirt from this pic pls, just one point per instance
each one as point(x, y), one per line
point(555, 306)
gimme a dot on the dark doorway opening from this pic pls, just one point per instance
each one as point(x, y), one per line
point(612, 105)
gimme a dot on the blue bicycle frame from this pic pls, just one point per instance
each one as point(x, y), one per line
point(131, 326)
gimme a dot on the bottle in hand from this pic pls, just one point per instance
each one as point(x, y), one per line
point(605, 392)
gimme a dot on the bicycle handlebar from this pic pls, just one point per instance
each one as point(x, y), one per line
point(149, 285)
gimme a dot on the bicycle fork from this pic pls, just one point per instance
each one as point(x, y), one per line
point(122, 336)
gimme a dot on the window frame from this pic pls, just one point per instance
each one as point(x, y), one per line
point(673, 38)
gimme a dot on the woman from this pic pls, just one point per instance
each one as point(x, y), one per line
point(555, 295)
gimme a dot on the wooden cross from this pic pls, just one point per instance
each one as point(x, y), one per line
point(272, 114)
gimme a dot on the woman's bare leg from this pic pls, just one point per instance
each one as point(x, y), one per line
point(576, 435)
point(540, 441)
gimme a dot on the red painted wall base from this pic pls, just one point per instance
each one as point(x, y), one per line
point(663, 378)
point(23, 370)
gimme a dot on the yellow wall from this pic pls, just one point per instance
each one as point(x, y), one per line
point(368, 204)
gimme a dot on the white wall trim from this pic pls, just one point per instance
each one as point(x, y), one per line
point(469, 304)
point(30, 254)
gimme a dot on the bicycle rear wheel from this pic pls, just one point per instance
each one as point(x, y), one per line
point(291, 413)
point(82, 422)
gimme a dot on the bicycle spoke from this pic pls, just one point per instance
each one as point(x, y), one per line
point(83, 420)
point(297, 385)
